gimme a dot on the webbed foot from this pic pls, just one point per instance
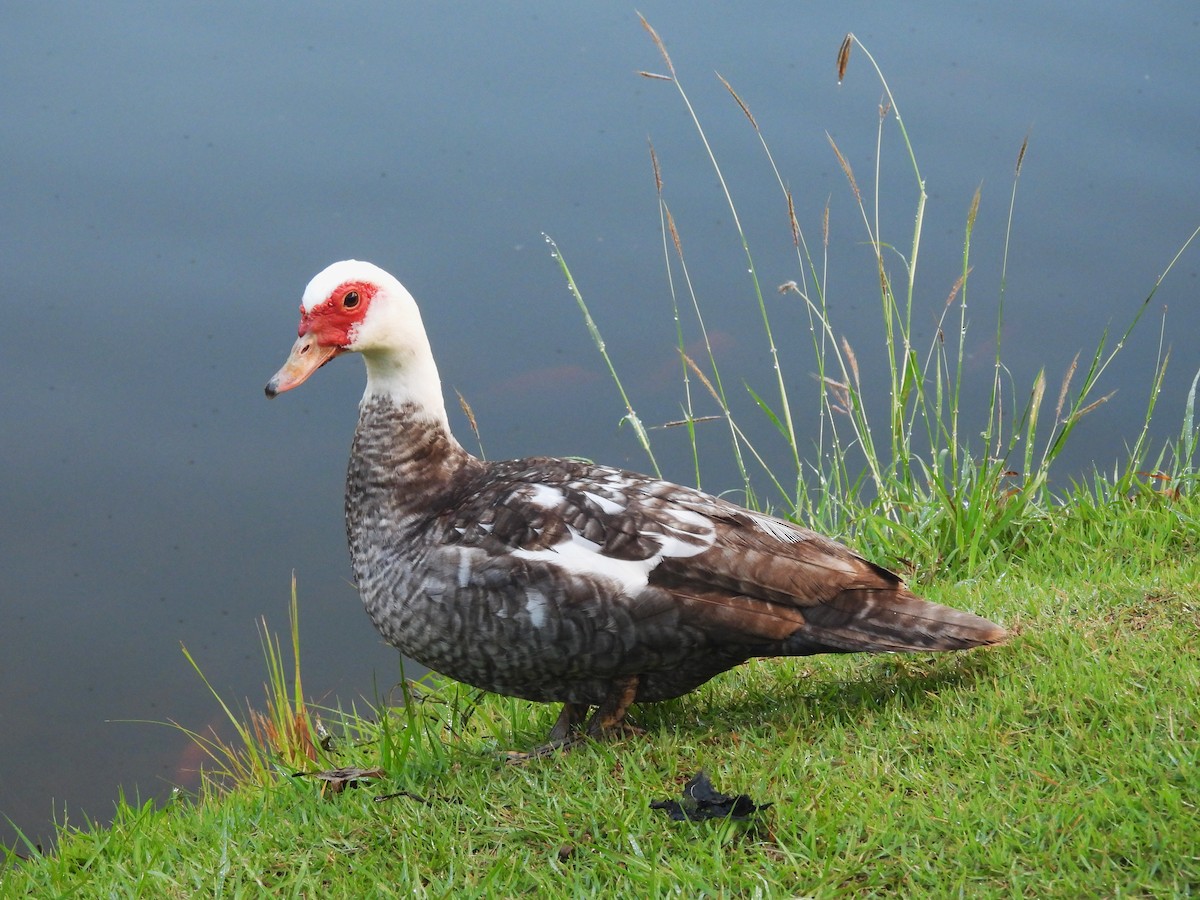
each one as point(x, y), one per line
point(607, 721)
point(563, 735)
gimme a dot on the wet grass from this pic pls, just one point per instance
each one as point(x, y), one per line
point(1064, 763)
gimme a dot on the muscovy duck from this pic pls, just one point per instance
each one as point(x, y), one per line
point(557, 580)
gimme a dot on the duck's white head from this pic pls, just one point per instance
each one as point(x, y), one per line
point(357, 307)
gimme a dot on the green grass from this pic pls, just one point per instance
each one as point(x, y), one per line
point(1064, 763)
point(907, 475)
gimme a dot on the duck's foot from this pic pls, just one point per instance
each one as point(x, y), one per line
point(618, 731)
point(606, 722)
point(518, 757)
point(563, 735)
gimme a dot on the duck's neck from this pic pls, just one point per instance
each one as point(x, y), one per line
point(403, 459)
point(404, 469)
point(408, 377)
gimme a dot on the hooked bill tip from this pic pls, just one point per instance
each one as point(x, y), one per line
point(272, 389)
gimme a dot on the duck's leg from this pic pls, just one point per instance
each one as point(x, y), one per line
point(564, 733)
point(609, 717)
point(607, 721)
point(567, 723)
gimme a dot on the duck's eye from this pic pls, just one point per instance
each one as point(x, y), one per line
point(350, 300)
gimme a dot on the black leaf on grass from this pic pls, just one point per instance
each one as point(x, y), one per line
point(702, 801)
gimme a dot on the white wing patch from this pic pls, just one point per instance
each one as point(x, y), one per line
point(544, 496)
point(547, 497)
point(607, 506)
point(678, 533)
point(583, 557)
point(696, 532)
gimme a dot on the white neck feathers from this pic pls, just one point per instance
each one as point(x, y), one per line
point(407, 379)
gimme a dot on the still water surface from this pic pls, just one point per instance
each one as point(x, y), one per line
point(174, 174)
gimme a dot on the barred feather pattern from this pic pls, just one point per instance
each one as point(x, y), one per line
point(554, 579)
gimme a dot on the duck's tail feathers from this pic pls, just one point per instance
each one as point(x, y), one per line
point(876, 620)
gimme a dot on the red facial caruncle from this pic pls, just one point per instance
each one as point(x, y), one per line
point(333, 318)
point(324, 332)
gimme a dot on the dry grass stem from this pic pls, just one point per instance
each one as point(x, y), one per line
point(845, 168)
point(658, 182)
point(1021, 156)
point(467, 411)
point(662, 48)
point(291, 742)
point(792, 218)
point(1091, 406)
point(470, 414)
point(734, 94)
point(853, 360)
point(694, 420)
point(957, 286)
point(674, 231)
point(843, 57)
point(691, 364)
point(1066, 385)
point(840, 391)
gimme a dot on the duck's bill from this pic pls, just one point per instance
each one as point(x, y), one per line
point(306, 357)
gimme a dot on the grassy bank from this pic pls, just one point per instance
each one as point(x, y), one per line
point(1065, 763)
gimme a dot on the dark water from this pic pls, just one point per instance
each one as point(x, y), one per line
point(174, 174)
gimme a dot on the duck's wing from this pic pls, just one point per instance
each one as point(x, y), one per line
point(675, 557)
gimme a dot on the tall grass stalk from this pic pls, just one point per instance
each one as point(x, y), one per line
point(927, 493)
point(631, 415)
point(786, 414)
